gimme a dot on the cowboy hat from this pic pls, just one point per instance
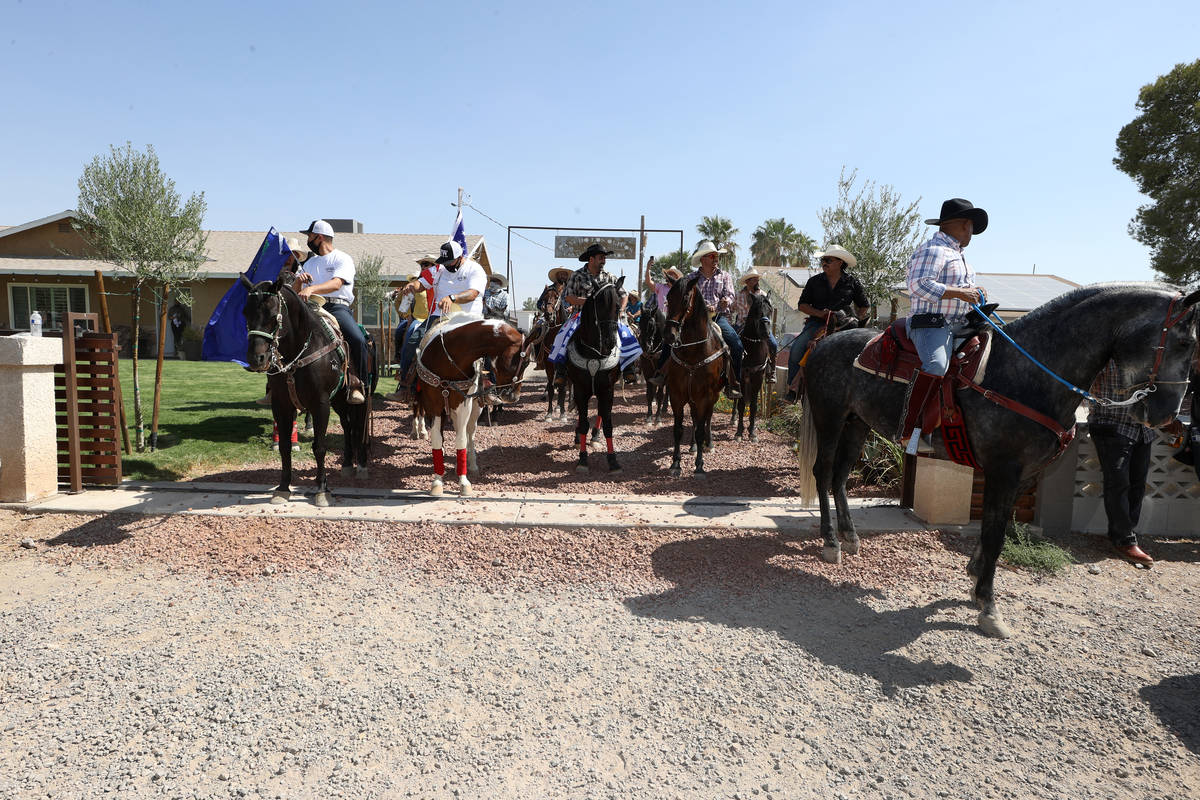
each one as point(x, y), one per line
point(672, 272)
point(594, 250)
point(837, 251)
point(555, 270)
point(428, 258)
point(751, 273)
point(298, 250)
point(498, 278)
point(704, 249)
point(957, 208)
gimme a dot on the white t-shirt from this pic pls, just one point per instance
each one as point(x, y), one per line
point(335, 265)
point(469, 275)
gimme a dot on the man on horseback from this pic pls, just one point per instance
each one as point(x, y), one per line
point(495, 298)
point(583, 283)
point(670, 274)
point(836, 289)
point(741, 308)
point(716, 287)
point(330, 273)
point(460, 281)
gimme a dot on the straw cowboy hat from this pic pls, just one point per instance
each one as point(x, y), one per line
point(428, 258)
point(555, 270)
point(957, 208)
point(298, 250)
point(496, 277)
point(837, 251)
point(672, 272)
point(704, 249)
point(751, 273)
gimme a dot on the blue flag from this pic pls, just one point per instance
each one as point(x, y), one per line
point(225, 335)
point(459, 235)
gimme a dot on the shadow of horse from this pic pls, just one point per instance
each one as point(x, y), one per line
point(103, 532)
point(1176, 702)
point(832, 622)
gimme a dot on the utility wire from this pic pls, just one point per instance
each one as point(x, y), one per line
point(467, 203)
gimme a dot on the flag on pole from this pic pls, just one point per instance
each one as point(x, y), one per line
point(459, 235)
point(225, 335)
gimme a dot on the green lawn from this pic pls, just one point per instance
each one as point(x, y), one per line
point(207, 418)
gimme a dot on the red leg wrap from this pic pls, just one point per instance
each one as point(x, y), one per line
point(608, 441)
point(295, 434)
point(597, 425)
point(583, 442)
point(275, 433)
point(439, 462)
point(462, 462)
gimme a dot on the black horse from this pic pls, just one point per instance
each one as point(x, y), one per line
point(302, 361)
point(594, 366)
point(756, 361)
point(695, 368)
point(1149, 330)
point(652, 330)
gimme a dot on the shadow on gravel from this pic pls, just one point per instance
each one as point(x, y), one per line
point(1176, 701)
point(94, 533)
point(731, 582)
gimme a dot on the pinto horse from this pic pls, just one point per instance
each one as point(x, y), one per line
point(695, 368)
point(594, 366)
point(305, 371)
point(450, 385)
point(652, 330)
point(1019, 418)
point(756, 360)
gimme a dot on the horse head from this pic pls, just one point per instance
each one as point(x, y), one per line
point(1155, 356)
point(598, 319)
point(509, 363)
point(760, 309)
point(681, 299)
point(264, 311)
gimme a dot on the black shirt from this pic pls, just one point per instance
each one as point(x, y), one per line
point(818, 294)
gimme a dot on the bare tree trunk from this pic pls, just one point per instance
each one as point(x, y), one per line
point(162, 339)
point(138, 426)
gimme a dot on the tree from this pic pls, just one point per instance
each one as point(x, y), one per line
point(370, 286)
point(777, 243)
point(130, 216)
point(679, 259)
point(529, 304)
point(720, 231)
point(1160, 150)
point(878, 227)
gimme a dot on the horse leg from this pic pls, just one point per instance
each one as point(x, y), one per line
point(362, 417)
point(752, 435)
point(461, 417)
point(604, 402)
point(651, 389)
point(849, 448)
point(699, 433)
point(549, 392)
point(675, 470)
point(829, 437)
point(999, 495)
point(472, 424)
point(739, 408)
point(581, 430)
point(320, 427)
point(347, 470)
point(439, 455)
point(284, 420)
point(596, 429)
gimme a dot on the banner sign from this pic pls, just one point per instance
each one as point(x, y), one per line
point(623, 247)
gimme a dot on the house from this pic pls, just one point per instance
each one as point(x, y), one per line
point(44, 265)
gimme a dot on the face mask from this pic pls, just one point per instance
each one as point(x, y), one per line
point(452, 266)
point(312, 246)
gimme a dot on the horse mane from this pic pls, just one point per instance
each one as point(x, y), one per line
point(1062, 304)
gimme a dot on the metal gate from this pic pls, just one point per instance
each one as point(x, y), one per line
point(87, 398)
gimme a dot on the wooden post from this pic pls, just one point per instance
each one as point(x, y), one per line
point(117, 372)
point(641, 252)
point(162, 340)
point(72, 396)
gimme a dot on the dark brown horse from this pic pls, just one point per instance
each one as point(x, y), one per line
point(756, 360)
point(695, 368)
point(652, 331)
point(593, 366)
point(450, 385)
point(305, 370)
point(548, 327)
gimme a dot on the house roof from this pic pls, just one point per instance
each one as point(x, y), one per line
point(230, 252)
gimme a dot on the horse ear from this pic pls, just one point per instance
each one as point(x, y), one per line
point(278, 283)
point(620, 282)
point(1191, 299)
point(245, 281)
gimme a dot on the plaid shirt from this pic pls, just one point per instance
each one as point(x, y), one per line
point(1108, 384)
point(741, 306)
point(715, 289)
point(936, 266)
point(582, 284)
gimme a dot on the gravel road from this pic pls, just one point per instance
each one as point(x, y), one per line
point(212, 657)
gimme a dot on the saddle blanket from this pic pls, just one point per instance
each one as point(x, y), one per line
point(630, 349)
point(444, 324)
point(892, 355)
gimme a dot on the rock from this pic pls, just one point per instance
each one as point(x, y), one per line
point(28, 544)
point(496, 562)
point(1094, 569)
point(1121, 772)
point(1149, 651)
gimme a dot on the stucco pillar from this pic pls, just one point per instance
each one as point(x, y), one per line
point(28, 445)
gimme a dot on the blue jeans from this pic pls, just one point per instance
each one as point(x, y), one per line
point(733, 341)
point(415, 332)
point(934, 346)
point(800, 344)
point(398, 337)
point(356, 342)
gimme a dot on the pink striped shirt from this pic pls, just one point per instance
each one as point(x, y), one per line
point(936, 266)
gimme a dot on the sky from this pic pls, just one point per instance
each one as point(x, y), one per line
point(592, 115)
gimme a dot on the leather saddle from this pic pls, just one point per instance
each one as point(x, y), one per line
point(893, 355)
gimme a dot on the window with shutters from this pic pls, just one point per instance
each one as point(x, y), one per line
point(52, 302)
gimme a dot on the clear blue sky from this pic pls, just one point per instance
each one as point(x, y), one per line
point(593, 114)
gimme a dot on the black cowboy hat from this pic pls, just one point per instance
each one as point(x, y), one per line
point(594, 250)
point(957, 208)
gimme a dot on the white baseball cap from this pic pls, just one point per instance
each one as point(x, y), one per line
point(319, 226)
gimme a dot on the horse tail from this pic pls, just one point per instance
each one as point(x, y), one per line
point(806, 451)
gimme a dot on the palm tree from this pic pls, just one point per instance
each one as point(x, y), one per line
point(778, 243)
point(720, 231)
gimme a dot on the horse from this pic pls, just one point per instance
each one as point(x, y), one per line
point(1149, 330)
point(695, 368)
point(305, 371)
point(652, 327)
point(756, 360)
point(552, 322)
point(449, 389)
point(594, 366)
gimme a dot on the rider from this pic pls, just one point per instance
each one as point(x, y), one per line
point(741, 308)
point(716, 287)
point(670, 275)
point(836, 289)
point(330, 273)
point(583, 283)
point(495, 298)
point(461, 281)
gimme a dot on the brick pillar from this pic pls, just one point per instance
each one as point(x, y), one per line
point(28, 446)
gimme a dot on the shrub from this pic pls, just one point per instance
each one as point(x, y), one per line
point(1021, 549)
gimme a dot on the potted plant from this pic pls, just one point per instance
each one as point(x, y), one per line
point(192, 340)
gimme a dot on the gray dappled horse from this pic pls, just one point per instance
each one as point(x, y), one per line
point(1148, 329)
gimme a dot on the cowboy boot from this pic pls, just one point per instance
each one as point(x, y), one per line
point(354, 389)
point(732, 382)
point(921, 409)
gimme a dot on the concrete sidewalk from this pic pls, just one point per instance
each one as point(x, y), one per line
point(499, 509)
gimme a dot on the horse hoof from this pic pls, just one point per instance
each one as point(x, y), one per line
point(360, 472)
point(737, 437)
point(691, 449)
point(674, 472)
point(708, 448)
point(852, 546)
point(347, 472)
point(321, 499)
point(279, 498)
point(435, 489)
point(465, 489)
point(992, 625)
point(832, 555)
point(754, 437)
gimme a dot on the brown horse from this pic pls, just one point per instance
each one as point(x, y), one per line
point(695, 368)
point(543, 337)
point(652, 326)
point(450, 384)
